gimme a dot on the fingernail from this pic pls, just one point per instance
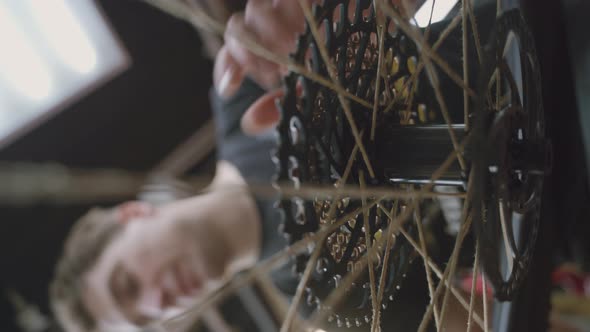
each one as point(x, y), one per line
point(226, 83)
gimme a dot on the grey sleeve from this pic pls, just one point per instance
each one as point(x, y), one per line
point(251, 155)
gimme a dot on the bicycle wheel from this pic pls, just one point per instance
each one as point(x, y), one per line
point(377, 129)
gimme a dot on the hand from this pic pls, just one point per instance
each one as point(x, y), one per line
point(275, 25)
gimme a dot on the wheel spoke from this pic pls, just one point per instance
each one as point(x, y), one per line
point(329, 191)
point(370, 251)
point(443, 107)
point(493, 79)
point(201, 19)
point(446, 282)
point(446, 279)
point(473, 287)
point(381, 36)
point(464, 12)
point(384, 270)
point(414, 78)
point(394, 225)
point(415, 35)
point(343, 102)
point(277, 301)
point(340, 292)
point(474, 31)
point(432, 75)
point(342, 181)
point(453, 266)
point(425, 259)
point(413, 81)
point(286, 326)
point(450, 269)
point(466, 218)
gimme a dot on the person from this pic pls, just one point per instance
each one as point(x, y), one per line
point(137, 262)
point(134, 263)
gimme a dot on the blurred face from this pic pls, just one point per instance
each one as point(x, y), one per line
point(150, 270)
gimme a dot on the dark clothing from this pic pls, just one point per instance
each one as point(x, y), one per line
point(251, 155)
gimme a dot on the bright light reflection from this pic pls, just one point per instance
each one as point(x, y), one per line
point(65, 34)
point(20, 65)
point(441, 10)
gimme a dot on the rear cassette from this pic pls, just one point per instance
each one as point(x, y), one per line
point(315, 145)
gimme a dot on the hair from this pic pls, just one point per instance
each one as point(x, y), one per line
point(90, 235)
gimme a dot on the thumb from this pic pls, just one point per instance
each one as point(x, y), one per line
point(262, 114)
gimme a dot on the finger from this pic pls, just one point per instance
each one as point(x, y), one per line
point(264, 72)
point(236, 29)
point(291, 13)
point(227, 74)
point(268, 77)
point(286, 21)
point(263, 114)
point(271, 25)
